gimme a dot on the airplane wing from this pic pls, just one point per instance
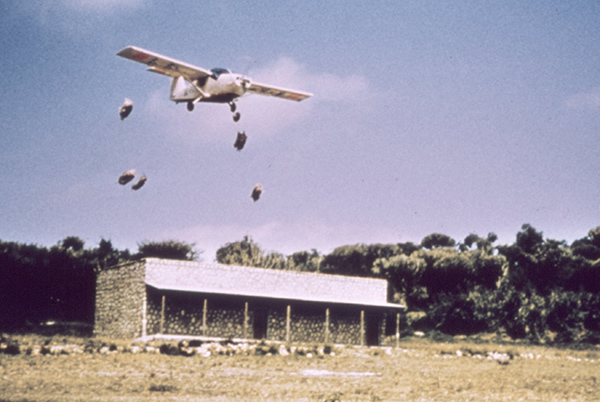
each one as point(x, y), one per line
point(164, 65)
point(269, 90)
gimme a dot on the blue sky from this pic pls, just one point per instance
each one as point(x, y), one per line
point(452, 117)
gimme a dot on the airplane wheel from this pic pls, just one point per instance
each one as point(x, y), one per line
point(232, 107)
point(190, 106)
point(236, 117)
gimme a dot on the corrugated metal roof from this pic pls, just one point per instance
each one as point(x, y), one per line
point(262, 282)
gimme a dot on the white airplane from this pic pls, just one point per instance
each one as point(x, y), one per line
point(192, 84)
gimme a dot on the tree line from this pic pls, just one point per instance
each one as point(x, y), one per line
point(540, 289)
point(39, 284)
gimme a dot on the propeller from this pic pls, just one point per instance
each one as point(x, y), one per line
point(244, 82)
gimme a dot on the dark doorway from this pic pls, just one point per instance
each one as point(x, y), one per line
point(371, 328)
point(260, 322)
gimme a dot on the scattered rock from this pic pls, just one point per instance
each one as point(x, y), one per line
point(283, 350)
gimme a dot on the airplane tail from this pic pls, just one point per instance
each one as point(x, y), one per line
point(178, 88)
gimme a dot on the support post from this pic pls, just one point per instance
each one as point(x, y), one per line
point(144, 318)
point(246, 320)
point(362, 327)
point(162, 314)
point(327, 325)
point(204, 314)
point(397, 330)
point(288, 318)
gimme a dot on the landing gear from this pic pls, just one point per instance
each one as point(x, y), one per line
point(236, 117)
point(190, 106)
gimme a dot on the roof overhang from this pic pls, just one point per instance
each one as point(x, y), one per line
point(255, 295)
point(271, 284)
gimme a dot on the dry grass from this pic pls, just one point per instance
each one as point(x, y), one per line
point(417, 371)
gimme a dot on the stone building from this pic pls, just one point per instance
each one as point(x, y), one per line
point(169, 297)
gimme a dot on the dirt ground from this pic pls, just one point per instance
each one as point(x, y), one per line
point(416, 371)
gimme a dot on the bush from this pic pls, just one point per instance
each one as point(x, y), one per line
point(457, 315)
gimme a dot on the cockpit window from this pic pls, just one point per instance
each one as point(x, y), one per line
point(218, 71)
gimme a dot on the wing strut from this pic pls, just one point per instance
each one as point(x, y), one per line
point(204, 94)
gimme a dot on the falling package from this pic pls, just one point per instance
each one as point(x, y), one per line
point(256, 192)
point(140, 183)
point(127, 176)
point(240, 140)
point(126, 108)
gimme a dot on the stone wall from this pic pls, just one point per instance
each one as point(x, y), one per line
point(225, 318)
point(120, 297)
point(153, 312)
point(123, 293)
point(184, 314)
point(344, 326)
point(276, 322)
point(307, 323)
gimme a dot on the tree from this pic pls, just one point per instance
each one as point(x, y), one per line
point(594, 236)
point(481, 243)
point(538, 265)
point(273, 260)
point(245, 252)
point(171, 249)
point(24, 276)
point(404, 277)
point(589, 246)
point(304, 261)
point(586, 277)
point(72, 242)
point(39, 284)
point(447, 272)
point(488, 269)
point(436, 240)
point(357, 259)
point(529, 239)
point(586, 250)
point(105, 255)
point(346, 260)
point(408, 248)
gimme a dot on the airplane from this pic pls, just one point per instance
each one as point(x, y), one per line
point(191, 84)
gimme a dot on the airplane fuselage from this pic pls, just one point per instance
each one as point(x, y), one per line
point(219, 88)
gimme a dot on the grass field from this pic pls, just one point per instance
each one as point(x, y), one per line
point(417, 371)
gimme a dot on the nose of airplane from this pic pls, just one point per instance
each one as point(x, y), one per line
point(242, 81)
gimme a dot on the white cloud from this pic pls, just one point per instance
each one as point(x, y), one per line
point(325, 86)
point(344, 89)
point(585, 100)
point(78, 18)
